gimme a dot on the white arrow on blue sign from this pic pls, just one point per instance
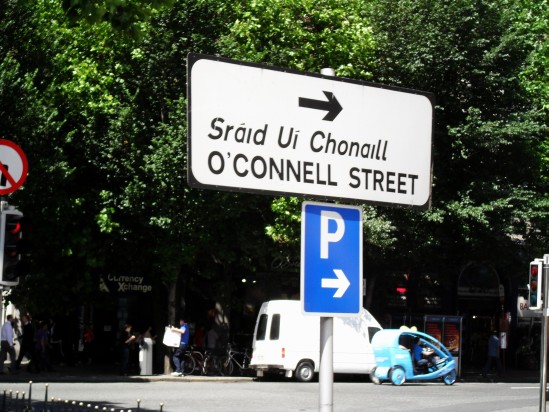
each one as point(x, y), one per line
point(331, 259)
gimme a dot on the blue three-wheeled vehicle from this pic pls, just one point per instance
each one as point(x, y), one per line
point(393, 351)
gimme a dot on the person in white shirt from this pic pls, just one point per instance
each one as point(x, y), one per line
point(6, 344)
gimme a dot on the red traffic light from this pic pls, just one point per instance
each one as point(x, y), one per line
point(534, 271)
point(15, 229)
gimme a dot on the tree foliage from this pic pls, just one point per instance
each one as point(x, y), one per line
point(94, 91)
point(474, 56)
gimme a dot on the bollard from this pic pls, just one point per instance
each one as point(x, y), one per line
point(28, 407)
point(17, 402)
point(30, 396)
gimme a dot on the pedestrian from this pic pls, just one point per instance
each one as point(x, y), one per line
point(199, 337)
point(6, 344)
point(493, 355)
point(41, 348)
point(179, 354)
point(88, 338)
point(127, 339)
point(55, 336)
point(211, 341)
point(27, 341)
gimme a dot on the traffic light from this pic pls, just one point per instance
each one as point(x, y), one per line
point(11, 234)
point(535, 285)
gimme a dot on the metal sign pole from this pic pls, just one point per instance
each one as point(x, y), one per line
point(545, 336)
point(326, 373)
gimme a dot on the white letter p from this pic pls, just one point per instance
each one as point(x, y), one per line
point(325, 236)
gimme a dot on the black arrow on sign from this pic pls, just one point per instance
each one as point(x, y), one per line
point(332, 105)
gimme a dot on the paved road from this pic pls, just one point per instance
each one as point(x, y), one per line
point(250, 396)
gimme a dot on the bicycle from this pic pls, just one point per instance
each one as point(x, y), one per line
point(213, 364)
point(188, 362)
point(198, 357)
point(240, 358)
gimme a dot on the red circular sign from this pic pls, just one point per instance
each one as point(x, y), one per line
point(13, 167)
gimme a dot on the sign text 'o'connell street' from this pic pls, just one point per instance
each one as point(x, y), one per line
point(268, 130)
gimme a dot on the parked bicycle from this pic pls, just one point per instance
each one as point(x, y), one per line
point(237, 359)
point(213, 363)
point(198, 357)
point(189, 363)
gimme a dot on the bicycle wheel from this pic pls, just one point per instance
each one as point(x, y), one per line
point(188, 364)
point(246, 370)
point(199, 362)
point(211, 366)
point(227, 366)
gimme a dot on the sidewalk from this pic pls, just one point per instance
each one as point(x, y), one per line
point(510, 375)
point(107, 373)
point(100, 373)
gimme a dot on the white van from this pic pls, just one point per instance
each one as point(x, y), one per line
point(287, 341)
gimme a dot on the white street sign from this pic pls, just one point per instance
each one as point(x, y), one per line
point(263, 129)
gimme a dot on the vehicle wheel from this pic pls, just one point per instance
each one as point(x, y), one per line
point(188, 364)
point(198, 362)
point(305, 372)
point(450, 378)
point(227, 366)
point(374, 378)
point(397, 376)
point(210, 367)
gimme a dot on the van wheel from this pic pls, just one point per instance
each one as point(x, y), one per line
point(305, 372)
point(373, 376)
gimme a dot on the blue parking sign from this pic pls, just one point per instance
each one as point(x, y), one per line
point(331, 259)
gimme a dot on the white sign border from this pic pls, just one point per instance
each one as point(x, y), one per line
point(194, 183)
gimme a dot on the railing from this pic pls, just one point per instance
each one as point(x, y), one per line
point(15, 401)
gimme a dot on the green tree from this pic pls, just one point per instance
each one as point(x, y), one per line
point(471, 55)
point(127, 16)
point(66, 95)
point(304, 35)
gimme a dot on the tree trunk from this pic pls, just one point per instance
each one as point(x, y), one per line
point(171, 320)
